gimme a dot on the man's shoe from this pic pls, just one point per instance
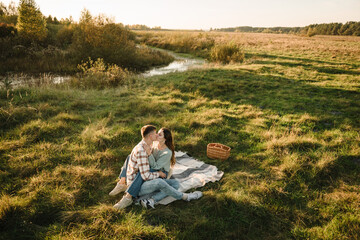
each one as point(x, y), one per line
point(148, 202)
point(124, 202)
point(194, 195)
point(118, 189)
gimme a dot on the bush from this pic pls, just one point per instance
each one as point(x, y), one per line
point(98, 74)
point(311, 32)
point(226, 53)
point(7, 48)
point(52, 30)
point(7, 30)
point(64, 36)
point(98, 38)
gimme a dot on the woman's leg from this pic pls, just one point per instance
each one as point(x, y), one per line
point(162, 185)
point(135, 186)
point(124, 168)
point(161, 195)
point(167, 187)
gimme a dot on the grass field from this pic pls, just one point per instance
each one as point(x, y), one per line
point(290, 113)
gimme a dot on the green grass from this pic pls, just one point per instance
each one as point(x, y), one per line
point(291, 121)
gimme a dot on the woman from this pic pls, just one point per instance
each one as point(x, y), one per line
point(161, 157)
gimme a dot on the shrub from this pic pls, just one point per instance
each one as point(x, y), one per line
point(99, 38)
point(226, 53)
point(8, 48)
point(7, 30)
point(64, 36)
point(98, 74)
point(311, 32)
point(52, 30)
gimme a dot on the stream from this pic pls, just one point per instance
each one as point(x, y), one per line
point(181, 63)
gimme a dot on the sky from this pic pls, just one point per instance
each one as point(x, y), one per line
point(206, 14)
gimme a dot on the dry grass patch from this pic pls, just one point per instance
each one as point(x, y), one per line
point(289, 166)
point(240, 179)
point(105, 222)
point(39, 130)
point(325, 160)
point(7, 145)
point(73, 178)
point(248, 111)
point(290, 141)
point(207, 117)
point(97, 134)
point(197, 102)
point(67, 117)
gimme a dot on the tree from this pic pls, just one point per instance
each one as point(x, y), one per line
point(311, 31)
point(100, 37)
point(31, 23)
point(2, 9)
point(8, 14)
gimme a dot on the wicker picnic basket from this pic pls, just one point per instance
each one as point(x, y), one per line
point(218, 151)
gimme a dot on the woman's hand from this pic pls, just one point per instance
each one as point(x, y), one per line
point(162, 175)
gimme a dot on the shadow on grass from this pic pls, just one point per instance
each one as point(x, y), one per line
point(277, 94)
point(310, 67)
point(23, 105)
point(219, 217)
point(345, 168)
point(310, 61)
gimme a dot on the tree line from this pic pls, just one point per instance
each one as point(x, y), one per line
point(31, 42)
point(347, 29)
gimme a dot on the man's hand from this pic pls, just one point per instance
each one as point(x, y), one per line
point(162, 175)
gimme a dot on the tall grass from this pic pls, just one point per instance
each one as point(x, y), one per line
point(290, 118)
point(321, 48)
point(226, 53)
point(195, 43)
point(199, 44)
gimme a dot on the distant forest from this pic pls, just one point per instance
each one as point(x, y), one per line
point(349, 29)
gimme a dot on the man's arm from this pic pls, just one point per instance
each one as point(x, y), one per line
point(144, 167)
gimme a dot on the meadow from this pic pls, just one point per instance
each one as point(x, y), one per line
point(289, 110)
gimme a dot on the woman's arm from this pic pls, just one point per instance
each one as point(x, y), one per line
point(162, 162)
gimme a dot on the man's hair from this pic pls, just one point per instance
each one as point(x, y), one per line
point(145, 130)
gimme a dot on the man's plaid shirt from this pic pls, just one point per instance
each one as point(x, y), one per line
point(139, 162)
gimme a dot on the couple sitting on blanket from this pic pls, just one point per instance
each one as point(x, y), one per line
point(148, 170)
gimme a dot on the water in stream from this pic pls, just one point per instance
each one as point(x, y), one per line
point(180, 64)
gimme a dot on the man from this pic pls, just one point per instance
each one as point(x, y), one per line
point(138, 162)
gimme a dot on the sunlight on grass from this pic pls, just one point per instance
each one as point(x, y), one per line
point(290, 118)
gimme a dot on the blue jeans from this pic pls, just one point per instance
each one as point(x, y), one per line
point(135, 186)
point(167, 187)
point(124, 168)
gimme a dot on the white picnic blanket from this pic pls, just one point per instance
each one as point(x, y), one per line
point(191, 173)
